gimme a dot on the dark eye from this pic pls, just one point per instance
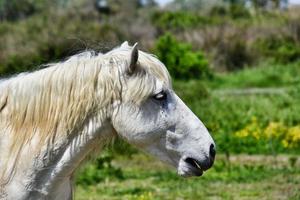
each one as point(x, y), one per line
point(160, 96)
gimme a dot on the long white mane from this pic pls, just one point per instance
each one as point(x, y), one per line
point(44, 107)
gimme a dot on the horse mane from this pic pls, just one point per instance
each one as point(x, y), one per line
point(53, 102)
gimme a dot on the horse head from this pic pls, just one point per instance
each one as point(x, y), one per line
point(153, 118)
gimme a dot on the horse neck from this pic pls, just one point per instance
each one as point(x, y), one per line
point(37, 175)
point(47, 176)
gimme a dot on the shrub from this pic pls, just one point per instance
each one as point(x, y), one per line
point(238, 11)
point(181, 61)
point(234, 53)
point(238, 55)
point(218, 11)
point(235, 11)
point(282, 49)
point(178, 20)
point(14, 10)
point(47, 38)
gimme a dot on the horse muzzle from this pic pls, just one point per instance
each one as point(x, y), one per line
point(191, 166)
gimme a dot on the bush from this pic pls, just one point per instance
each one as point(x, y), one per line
point(234, 11)
point(47, 37)
point(181, 61)
point(237, 55)
point(218, 11)
point(17, 9)
point(238, 11)
point(282, 49)
point(45, 52)
point(233, 53)
point(178, 20)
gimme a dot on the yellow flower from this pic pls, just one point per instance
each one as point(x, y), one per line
point(256, 134)
point(253, 129)
point(242, 133)
point(292, 137)
point(285, 143)
point(274, 130)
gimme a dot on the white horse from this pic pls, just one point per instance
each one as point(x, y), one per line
point(51, 119)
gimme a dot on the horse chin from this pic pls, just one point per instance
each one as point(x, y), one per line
point(188, 167)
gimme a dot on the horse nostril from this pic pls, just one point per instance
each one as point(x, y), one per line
point(212, 151)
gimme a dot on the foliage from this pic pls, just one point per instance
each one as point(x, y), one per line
point(235, 54)
point(181, 61)
point(18, 9)
point(237, 11)
point(247, 177)
point(230, 38)
point(178, 20)
point(274, 136)
point(281, 49)
point(24, 45)
point(292, 137)
point(227, 107)
point(99, 170)
point(218, 11)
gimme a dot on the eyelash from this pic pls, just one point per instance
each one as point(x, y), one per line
point(160, 96)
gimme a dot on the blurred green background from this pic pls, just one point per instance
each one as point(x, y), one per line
point(236, 63)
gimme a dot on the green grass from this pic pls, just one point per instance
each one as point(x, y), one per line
point(265, 75)
point(146, 178)
point(228, 102)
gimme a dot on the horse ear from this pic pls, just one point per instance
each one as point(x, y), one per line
point(125, 44)
point(133, 59)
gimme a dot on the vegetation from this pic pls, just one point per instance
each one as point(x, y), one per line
point(178, 20)
point(182, 62)
point(144, 178)
point(247, 103)
point(237, 68)
point(230, 37)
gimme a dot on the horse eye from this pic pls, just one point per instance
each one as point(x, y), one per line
point(160, 96)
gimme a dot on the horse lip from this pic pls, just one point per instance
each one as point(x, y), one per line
point(188, 168)
point(193, 162)
point(195, 165)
